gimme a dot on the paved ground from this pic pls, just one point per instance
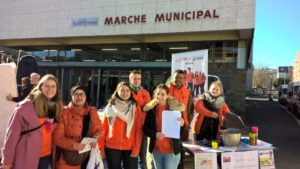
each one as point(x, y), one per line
point(277, 126)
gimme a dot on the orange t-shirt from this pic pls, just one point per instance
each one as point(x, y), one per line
point(163, 146)
point(46, 139)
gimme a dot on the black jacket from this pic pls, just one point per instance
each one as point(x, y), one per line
point(150, 131)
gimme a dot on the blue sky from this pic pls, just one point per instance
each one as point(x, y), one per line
point(277, 33)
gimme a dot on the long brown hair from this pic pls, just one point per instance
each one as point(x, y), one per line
point(115, 95)
point(41, 102)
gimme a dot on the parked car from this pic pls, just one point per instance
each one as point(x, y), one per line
point(282, 94)
point(292, 96)
point(297, 97)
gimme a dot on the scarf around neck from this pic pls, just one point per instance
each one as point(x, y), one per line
point(125, 110)
point(213, 103)
point(135, 89)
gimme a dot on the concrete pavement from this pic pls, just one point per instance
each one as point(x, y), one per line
point(276, 126)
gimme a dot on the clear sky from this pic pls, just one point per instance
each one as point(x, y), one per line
point(277, 33)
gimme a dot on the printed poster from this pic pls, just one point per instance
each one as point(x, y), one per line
point(205, 161)
point(195, 65)
point(240, 160)
point(266, 159)
point(8, 85)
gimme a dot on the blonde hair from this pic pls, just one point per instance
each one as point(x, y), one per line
point(218, 84)
point(132, 73)
point(42, 102)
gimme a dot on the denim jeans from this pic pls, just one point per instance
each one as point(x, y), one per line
point(44, 162)
point(166, 161)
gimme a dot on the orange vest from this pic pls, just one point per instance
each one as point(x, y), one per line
point(201, 109)
point(182, 95)
point(164, 145)
point(142, 98)
point(46, 144)
point(118, 140)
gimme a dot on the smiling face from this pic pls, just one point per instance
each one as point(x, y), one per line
point(178, 79)
point(49, 88)
point(215, 90)
point(79, 98)
point(161, 95)
point(136, 80)
point(124, 92)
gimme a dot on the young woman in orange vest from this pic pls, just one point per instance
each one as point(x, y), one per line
point(211, 108)
point(166, 151)
point(122, 125)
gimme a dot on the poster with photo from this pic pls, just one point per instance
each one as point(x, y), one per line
point(205, 160)
point(240, 160)
point(266, 159)
point(195, 65)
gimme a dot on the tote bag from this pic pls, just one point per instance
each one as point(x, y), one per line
point(95, 161)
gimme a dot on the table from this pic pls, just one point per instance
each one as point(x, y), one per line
point(242, 156)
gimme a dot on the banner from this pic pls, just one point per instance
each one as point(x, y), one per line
point(195, 65)
point(8, 85)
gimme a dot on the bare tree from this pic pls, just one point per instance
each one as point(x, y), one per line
point(262, 77)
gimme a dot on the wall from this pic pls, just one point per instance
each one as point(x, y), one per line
point(56, 18)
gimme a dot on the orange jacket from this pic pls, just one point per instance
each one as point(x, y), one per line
point(142, 98)
point(182, 95)
point(200, 108)
point(69, 128)
point(118, 140)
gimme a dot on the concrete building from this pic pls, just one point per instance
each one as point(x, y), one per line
point(99, 41)
point(296, 68)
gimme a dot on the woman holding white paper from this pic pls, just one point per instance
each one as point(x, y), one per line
point(166, 151)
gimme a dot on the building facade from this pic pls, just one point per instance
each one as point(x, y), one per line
point(97, 42)
point(296, 68)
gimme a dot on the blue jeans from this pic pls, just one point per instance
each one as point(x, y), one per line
point(166, 161)
point(44, 162)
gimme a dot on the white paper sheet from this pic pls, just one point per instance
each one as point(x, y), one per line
point(266, 159)
point(170, 123)
point(87, 141)
point(8, 85)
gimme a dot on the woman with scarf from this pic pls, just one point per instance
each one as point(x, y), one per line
point(122, 125)
point(78, 120)
point(211, 109)
point(166, 151)
point(28, 141)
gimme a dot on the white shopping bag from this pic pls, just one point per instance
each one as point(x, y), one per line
point(95, 161)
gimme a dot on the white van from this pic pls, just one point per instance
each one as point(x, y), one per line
point(282, 94)
point(292, 96)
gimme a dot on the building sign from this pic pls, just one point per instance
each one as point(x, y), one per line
point(90, 21)
point(162, 17)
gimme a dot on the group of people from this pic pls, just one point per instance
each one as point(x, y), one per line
point(42, 132)
point(195, 81)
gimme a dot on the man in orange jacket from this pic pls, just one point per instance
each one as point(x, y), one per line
point(142, 97)
point(179, 91)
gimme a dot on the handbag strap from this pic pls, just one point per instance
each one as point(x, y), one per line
point(86, 125)
point(33, 129)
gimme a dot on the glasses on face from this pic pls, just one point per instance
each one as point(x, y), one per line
point(79, 94)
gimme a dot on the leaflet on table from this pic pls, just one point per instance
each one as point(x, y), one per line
point(205, 160)
point(266, 159)
point(87, 141)
point(240, 160)
point(170, 123)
